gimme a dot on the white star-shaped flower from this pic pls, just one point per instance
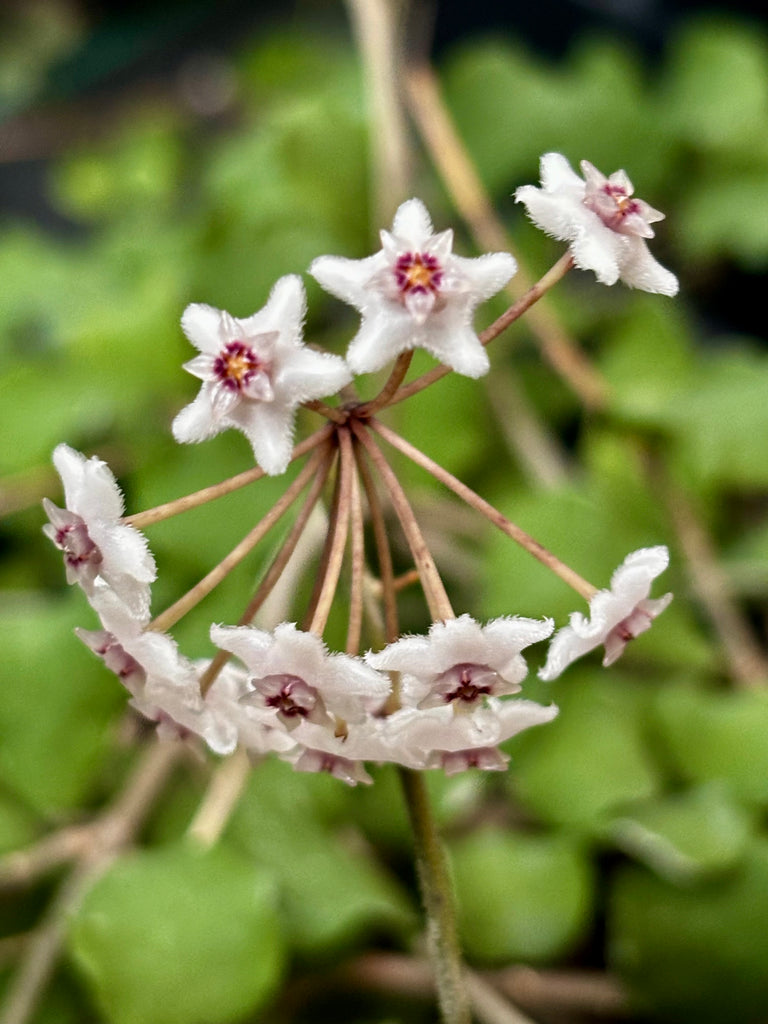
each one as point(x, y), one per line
point(109, 559)
point(164, 685)
point(255, 373)
point(294, 679)
point(461, 663)
point(436, 738)
point(616, 616)
point(415, 293)
point(606, 226)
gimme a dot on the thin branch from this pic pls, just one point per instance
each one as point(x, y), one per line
point(168, 618)
point(747, 662)
point(383, 552)
point(274, 572)
point(220, 799)
point(542, 554)
point(396, 378)
point(173, 508)
point(338, 533)
point(357, 566)
point(117, 826)
point(432, 585)
point(378, 29)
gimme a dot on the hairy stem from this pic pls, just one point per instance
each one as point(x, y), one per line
point(438, 898)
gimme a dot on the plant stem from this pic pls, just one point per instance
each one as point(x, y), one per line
point(437, 895)
point(512, 530)
point(168, 618)
point(173, 508)
point(431, 583)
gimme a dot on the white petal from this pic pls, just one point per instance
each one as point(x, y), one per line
point(412, 224)
point(557, 174)
point(202, 325)
point(196, 421)
point(639, 269)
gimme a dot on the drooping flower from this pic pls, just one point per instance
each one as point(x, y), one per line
point(461, 663)
point(293, 679)
point(616, 616)
point(605, 224)
point(437, 738)
point(415, 293)
point(255, 374)
point(164, 685)
point(109, 559)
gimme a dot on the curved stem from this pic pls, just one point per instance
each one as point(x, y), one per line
point(272, 574)
point(173, 508)
point(168, 618)
point(357, 566)
point(512, 530)
point(396, 378)
point(383, 552)
point(437, 894)
point(339, 528)
point(431, 583)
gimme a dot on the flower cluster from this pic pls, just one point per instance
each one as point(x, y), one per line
point(446, 699)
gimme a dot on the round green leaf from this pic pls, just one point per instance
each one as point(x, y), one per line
point(689, 835)
point(179, 936)
point(591, 760)
point(520, 897)
point(694, 954)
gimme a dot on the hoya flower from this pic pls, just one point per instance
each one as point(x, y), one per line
point(616, 616)
point(340, 753)
point(605, 224)
point(436, 738)
point(293, 679)
point(415, 293)
point(461, 663)
point(164, 685)
point(255, 373)
point(109, 559)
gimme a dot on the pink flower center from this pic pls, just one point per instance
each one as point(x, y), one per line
point(614, 205)
point(466, 683)
point(78, 548)
point(236, 365)
point(289, 695)
point(418, 272)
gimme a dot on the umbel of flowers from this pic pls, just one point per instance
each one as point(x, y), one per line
point(447, 699)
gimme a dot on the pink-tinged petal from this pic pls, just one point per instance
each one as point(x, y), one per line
point(201, 367)
point(615, 616)
point(202, 325)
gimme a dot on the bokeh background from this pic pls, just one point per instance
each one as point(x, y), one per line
point(154, 156)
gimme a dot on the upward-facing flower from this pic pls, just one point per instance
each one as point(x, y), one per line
point(616, 616)
point(605, 224)
point(461, 663)
point(110, 560)
point(415, 293)
point(255, 373)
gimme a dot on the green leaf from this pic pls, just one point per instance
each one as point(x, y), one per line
point(58, 703)
point(591, 760)
point(521, 897)
point(686, 836)
point(711, 736)
point(693, 955)
point(179, 936)
point(332, 893)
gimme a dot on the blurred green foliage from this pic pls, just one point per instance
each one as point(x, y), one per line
point(640, 839)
